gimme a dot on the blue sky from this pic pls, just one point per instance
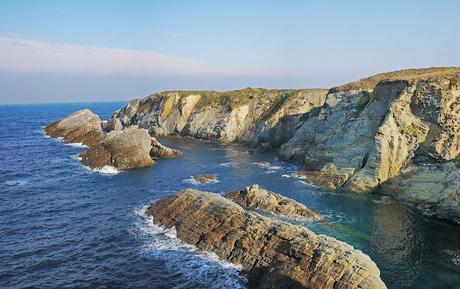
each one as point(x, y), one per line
point(64, 51)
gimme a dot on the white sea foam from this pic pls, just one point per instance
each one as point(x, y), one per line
point(77, 145)
point(455, 256)
point(77, 157)
point(266, 165)
point(229, 164)
point(385, 200)
point(194, 265)
point(105, 170)
point(108, 170)
point(194, 182)
point(13, 183)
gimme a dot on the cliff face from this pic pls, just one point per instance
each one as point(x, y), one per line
point(356, 136)
point(274, 254)
point(247, 115)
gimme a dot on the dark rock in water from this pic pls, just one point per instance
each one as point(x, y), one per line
point(82, 126)
point(125, 149)
point(160, 151)
point(274, 254)
point(205, 178)
point(256, 197)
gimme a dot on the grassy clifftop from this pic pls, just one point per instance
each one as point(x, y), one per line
point(408, 74)
point(235, 98)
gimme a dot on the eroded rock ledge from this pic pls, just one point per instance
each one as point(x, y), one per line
point(274, 254)
point(122, 148)
point(255, 197)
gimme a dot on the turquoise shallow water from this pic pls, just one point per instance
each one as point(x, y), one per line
point(64, 226)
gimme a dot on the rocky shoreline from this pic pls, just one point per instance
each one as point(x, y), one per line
point(272, 253)
point(395, 133)
point(364, 136)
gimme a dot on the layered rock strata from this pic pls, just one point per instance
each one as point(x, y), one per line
point(255, 197)
point(82, 126)
point(274, 254)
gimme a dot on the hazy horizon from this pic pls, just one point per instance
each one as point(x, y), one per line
point(86, 51)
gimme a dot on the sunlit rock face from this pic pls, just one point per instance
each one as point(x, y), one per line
point(255, 197)
point(250, 115)
point(82, 126)
point(122, 148)
point(274, 254)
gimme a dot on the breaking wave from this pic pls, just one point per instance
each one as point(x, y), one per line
point(197, 268)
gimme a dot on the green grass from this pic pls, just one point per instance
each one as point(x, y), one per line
point(408, 74)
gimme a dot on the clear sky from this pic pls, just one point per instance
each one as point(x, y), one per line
point(66, 51)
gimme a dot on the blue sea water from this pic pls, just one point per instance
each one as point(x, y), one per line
point(64, 226)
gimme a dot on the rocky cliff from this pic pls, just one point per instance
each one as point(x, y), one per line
point(273, 254)
point(248, 115)
point(355, 137)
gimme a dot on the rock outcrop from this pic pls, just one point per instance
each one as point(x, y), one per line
point(255, 197)
point(205, 178)
point(82, 126)
point(160, 151)
point(125, 149)
point(122, 148)
point(274, 254)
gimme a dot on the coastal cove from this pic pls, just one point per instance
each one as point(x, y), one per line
point(68, 226)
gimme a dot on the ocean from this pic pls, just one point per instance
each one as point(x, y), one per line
point(65, 226)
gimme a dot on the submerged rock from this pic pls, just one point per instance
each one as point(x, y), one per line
point(255, 197)
point(274, 254)
point(160, 151)
point(82, 126)
point(125, 149)
point(205, 178)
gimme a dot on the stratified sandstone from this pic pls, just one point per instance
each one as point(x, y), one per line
point(205, 178)
point(82, 126)
point(255, 197)
point(125, 149)
point(273, 254)
point(160, 151)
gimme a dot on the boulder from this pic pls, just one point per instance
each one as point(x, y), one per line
point(160, 151)
point(205, 178)
point(273, 254)
point(125, 149)
point(82, 126)
point(255, 197)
